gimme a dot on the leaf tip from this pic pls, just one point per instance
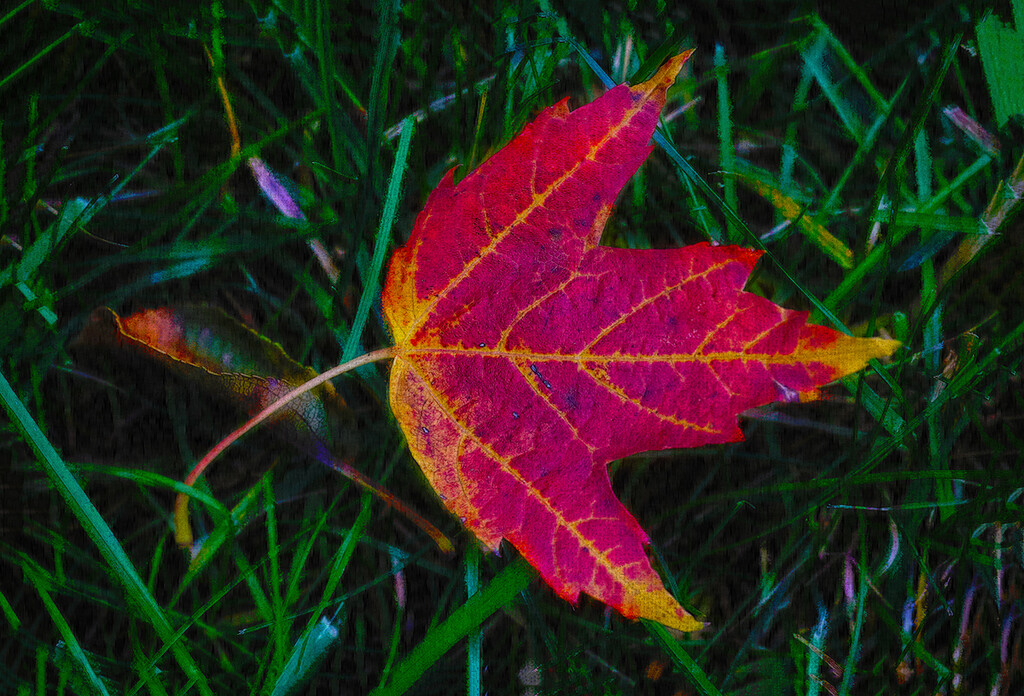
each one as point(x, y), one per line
point(875, 349)
point(669, 613)
point(845, 354)
point(885, 347)
point(667, 73)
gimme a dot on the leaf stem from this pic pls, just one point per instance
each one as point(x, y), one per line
point(182, 528)
point(360, 479)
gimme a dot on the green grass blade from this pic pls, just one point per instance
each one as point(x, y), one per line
point(789, 147)
point(371, 280)
point(815, 61)
point(505, 586)
point(963, 381)
point(9, 614)
point(849, 62)
point(281, 626)
point(306, 655)
point(301, 558)
point(345, 551)
point(1001, 48)
point(38, 582)
point(474, 662)
point(682, 658)
point(850, 670)
point(934, 222)
point(109, 547)
point(316, 639)
point(864, 148)
point(10, 15)
point(387, 40)
point(226, 526)
point(856, 278)
point(13, 75)
point(787, 208)
point(880, 409)
point(726, 149)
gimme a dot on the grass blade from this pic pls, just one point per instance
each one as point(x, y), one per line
point(372, 278)
point(682, 659)
point(508, 583)
point(474, 662)
point(726, 149)
point(109, 547)
point(81, 660)
point(308, 652)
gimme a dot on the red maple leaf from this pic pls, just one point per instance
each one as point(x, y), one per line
point(528, 357)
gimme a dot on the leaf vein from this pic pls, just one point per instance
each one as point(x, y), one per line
point(539, 200)
point(654, 298)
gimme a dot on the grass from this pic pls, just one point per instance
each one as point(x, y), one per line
point(869, 543)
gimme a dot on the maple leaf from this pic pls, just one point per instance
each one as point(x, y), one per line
point(527, 357)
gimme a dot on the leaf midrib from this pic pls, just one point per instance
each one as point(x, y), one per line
point(732, 356)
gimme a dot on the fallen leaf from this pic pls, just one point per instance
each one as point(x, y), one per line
point(528, 357)
point(209, 348)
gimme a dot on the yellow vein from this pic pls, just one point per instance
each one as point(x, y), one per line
point(661, 358)
point(557, 411)
point(532, 490)
point(623, 396)
point(538, 201)
point(532, 306)
point(650, 300)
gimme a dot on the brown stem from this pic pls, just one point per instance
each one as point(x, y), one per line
point(397, 504)
point(182, 528)
point(1004, 201)
point(229, 113)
